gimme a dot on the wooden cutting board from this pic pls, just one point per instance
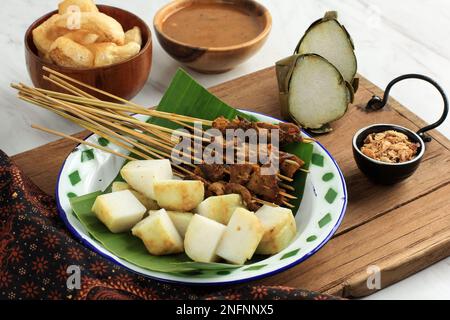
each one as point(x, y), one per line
point(400, 229)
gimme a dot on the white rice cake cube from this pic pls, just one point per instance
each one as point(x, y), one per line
point(220, 208)
point(159, 234)
point(150, 204)
point(201, 239)
point(241, 237)
point(119, 211)
point(178, 195)
point(181, 220)
point(279, 229)
point(141, 174)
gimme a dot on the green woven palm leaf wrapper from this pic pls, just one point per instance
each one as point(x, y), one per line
point(325, 42)
point(186, 97)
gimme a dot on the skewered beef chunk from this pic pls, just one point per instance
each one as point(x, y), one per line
point(289, 133)
point(280, 198)
point(246, 179)
point(221, 124)
point(216, 189)
point(199, 172)
point(213, 172)
point(266, 125)
point(253, 206)
point(289, 168)
point(240, 173)
point(289, 164)
point(242, 123)
point(265, 186)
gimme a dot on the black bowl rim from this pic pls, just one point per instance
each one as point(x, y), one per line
point(416, 158)
point(144, 48)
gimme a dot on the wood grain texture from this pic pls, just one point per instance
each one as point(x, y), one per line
point(401, 229)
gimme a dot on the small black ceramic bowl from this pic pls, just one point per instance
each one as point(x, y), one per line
point(390, 173)
point(383, 172)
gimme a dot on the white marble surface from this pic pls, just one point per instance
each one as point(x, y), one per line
point(391, 38)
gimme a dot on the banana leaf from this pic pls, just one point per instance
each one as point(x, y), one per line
point(186, 97)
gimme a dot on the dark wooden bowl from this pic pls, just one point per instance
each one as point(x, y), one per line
point(124, 79)
point(382, 172)
point(217, 59)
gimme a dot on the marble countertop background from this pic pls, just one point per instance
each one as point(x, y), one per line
point(391, 38)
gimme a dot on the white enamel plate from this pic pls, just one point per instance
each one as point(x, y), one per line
point(322, 209)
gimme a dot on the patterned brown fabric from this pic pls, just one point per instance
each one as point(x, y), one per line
point(36, 249)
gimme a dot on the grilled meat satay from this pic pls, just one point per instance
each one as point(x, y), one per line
point(222, 124)
point(241, 173)
point(199, 172)
point(280, 199)
point(212, 172)
point(246, 195)
point(216, 189)
point(265, 186)
point(289, 163)
point(289, 132)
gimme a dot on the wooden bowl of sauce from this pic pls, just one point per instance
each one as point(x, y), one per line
point(212, 36)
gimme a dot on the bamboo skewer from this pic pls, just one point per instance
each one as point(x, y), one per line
point(139, 136)
point(82, 96)
point(85, 111)
point(293, 162)
point(128, 109)
point(96, 131)
point(287, 204)
point(132, 120)
point(264, 202)
point(138, 122)
point(63, 135)
point(113, 107)
point(81, 113)
point(147, 148)
point(108, 119)
point(54, 78)
point(155, 152)
point(286, 186)
point(67, 86)
point(70, 106)
point(287, 195)
point(56, 73)
point(124, 156)
point(116, 106)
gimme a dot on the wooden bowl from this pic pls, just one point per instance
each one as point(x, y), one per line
point(211, 59)
point(124, 79)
